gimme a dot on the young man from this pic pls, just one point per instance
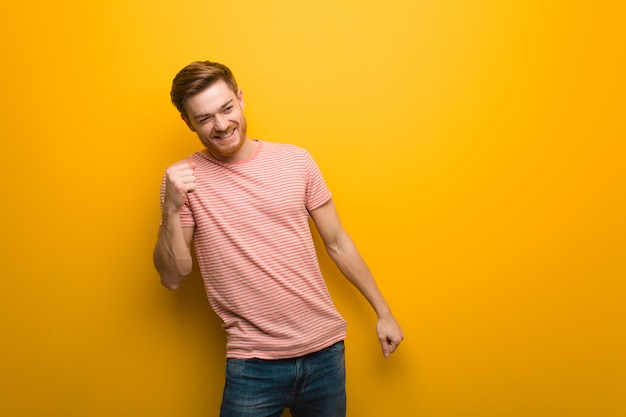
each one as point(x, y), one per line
point(245, 205)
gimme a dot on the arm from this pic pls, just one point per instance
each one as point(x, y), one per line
point(344, 253)
point(172, 252)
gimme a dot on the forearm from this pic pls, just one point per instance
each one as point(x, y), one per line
point(172, 255)
point(347, 258)
point(354, 268)
point(343, 252)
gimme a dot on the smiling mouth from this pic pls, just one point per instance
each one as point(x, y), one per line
point(225, 135)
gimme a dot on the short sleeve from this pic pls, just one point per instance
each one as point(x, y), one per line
point(317, 192)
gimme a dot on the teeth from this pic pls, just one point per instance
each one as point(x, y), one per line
point(225, 135)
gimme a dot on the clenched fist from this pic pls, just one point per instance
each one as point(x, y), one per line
point(180, 179)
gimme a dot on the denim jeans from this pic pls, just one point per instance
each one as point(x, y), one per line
point(310, 386)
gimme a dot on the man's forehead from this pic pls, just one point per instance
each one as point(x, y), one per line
point(211, 99)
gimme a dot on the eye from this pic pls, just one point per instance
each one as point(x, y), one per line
point(228, 109)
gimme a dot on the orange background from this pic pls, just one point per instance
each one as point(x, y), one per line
point(476, 154)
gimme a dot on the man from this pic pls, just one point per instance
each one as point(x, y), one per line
point(245, 204)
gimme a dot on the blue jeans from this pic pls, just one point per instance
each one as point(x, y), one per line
point(313, 385)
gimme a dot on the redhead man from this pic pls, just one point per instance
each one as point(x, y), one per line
point(245, 206)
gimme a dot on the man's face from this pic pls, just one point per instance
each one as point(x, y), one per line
point(215, 114)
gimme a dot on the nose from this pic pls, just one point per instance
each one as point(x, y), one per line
point(220, 122)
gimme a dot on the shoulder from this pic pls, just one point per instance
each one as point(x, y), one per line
point(287, 153)
point(285, 158)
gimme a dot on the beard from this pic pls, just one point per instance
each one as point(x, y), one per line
point(221, 151)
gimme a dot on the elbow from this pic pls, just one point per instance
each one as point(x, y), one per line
point(336, 248)
point(173, 279)
point(333, 252)
point(169, 284)
point(341, 249)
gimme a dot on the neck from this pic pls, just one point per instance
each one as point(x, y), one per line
point(246, 151)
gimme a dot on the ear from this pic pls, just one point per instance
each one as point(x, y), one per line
point(188, 122)
point(240, 98)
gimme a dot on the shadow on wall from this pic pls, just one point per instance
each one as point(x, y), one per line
point(202, 344)
point(190, 305)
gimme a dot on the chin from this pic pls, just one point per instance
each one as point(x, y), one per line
point(221, 152)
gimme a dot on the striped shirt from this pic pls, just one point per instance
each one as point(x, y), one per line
point(256, 254)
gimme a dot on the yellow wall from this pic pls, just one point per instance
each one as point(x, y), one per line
point(476, 150)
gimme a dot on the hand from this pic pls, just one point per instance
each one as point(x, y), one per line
point(180, 179)
point(390, 334)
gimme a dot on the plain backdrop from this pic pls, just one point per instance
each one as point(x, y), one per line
point(475, 150)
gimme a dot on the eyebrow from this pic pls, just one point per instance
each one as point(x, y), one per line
point(200, 116)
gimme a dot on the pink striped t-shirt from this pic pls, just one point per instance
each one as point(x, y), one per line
point(256, 254)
